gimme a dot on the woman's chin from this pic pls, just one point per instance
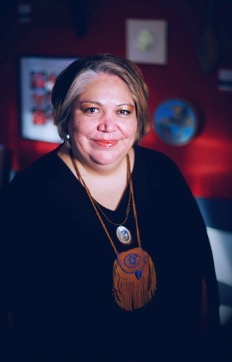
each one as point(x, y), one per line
point(105, 158)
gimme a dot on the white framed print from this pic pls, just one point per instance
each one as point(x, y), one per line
point(146, 41)
point(37, 75)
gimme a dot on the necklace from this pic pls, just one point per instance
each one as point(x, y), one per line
point(134, 275)
point(122, 233)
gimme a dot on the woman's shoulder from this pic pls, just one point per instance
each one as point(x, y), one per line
point(38, 174)
point(153, 157)
point(157, 165)
point(42, 164)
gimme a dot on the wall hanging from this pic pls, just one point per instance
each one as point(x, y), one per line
point(175, 122)
point(146, 41)
point(36, 79)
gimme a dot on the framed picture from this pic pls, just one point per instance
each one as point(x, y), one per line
point(146, 41)
point(36, 78)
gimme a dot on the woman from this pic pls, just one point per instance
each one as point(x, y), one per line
point(105, 249)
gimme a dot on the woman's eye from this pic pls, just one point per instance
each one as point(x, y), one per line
point(124, 111)
point(91, 110)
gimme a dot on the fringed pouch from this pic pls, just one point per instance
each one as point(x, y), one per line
point(134, 276)
point(134, 279)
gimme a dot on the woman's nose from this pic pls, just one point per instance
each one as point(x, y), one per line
point(107, 124)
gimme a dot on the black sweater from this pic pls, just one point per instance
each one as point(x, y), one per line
point(57, 267)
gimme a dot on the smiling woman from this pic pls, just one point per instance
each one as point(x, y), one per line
point(104, 225)
point(103, 117)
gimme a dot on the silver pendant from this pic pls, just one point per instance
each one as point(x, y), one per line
point(123, 235)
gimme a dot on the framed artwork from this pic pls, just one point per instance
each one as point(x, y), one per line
point(36, 79)
point(146, 41)
point(225, 79)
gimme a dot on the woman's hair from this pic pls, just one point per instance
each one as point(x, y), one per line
point(72, 81)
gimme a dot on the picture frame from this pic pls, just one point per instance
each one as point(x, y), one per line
point(37, 75)
point(146, 41)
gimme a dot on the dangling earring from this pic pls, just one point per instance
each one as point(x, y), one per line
point(68, 140)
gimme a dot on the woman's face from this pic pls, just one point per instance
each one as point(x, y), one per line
point(103, 123)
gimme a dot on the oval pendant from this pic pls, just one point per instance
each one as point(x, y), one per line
point(123, 235)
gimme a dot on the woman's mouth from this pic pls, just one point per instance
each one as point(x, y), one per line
point(106, 143)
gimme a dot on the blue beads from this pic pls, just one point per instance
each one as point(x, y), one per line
point(138, 274)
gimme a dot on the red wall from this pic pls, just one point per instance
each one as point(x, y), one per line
point(206, 162)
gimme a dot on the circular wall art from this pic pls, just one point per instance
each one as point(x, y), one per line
point(175, 122)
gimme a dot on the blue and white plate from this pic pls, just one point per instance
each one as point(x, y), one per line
point(175, 122)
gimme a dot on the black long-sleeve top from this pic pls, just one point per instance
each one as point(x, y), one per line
point(57, 267)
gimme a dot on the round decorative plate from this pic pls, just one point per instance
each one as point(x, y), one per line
point(175, 122)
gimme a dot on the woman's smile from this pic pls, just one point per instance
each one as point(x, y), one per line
point(106, 143)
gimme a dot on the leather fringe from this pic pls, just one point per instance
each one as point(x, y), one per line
point(134, 279)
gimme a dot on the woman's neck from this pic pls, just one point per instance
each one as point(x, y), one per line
point(106, 188)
